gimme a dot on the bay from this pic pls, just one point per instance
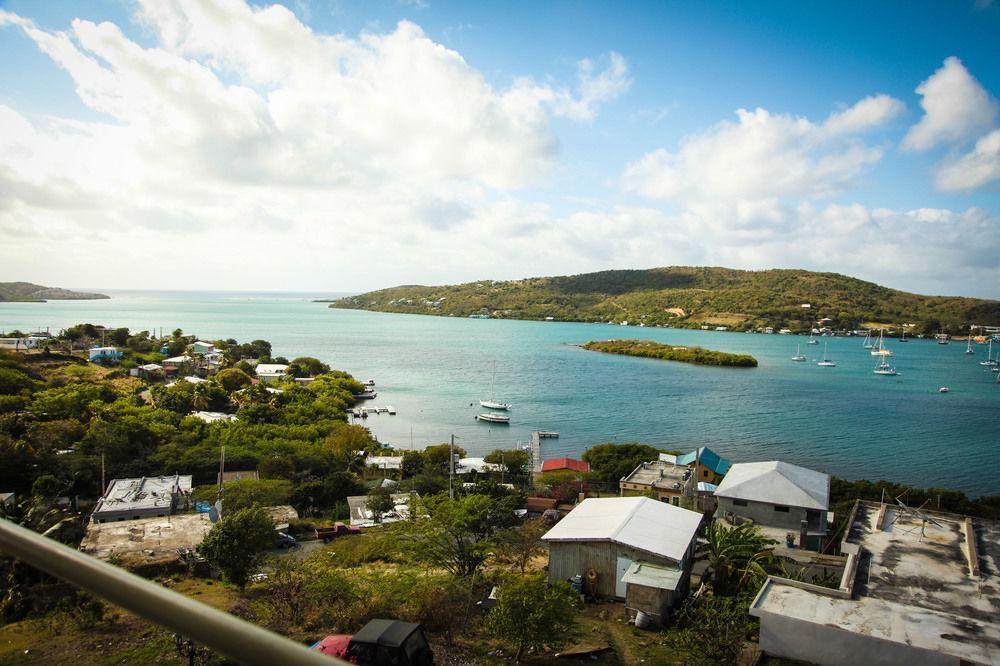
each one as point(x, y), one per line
point(434, 370)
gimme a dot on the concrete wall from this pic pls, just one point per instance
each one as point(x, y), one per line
point(764, 514)
point(789, 638)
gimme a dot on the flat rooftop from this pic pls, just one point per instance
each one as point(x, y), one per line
point(659, 474)
point(149, 492)
point(913, 584)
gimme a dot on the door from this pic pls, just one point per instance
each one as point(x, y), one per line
point(623, 564)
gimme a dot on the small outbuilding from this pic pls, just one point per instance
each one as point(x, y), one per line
point(603, 539)
point(565, 464)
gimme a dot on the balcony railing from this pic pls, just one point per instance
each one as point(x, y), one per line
point(223, 633)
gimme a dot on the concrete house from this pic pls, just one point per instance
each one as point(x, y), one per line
point(202, 347)
point(271, 372)
point(610, 535)
point(919, 587)
point(145, 497)
point(777, 495)
point(104, 355)
point(666, 481)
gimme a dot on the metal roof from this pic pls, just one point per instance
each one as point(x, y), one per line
point(642, 523)
point(653, 575)
point(777, 482)
point(706, 457)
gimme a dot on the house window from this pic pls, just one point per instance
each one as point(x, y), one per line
point(737, 502)
point(704, 473)
point(675, 500)
point(780, 509)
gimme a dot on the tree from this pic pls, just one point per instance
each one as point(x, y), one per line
point(236, 544)
point(610, 462)
point(233, 379)
point(522, 544)
point(248, 493)
point(379, 502)
point(310, 366)
point(731, 551)
point(514, 460)
point(436, 458)
point(457, 534)
point(530, 612)
point(712, 629)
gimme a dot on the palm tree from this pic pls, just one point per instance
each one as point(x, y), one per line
point(732, 552)
point(199, 398)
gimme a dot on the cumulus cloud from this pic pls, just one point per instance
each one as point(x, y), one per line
point(956, 108)
point(974, 169)
point(764, 155)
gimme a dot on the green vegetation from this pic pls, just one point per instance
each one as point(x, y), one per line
point(236, 544)
point(28, 292)
point(610, 462)
point(529, 611)
point(650, 349)
point(689, 297)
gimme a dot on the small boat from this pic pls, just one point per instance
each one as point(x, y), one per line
point(943, 389)
point(493, 403)
point(968, 343)
point(812, 340)
point(826, 362)
point(391, 410)
point(902, 338)
point(990, 361)
point(867, 344)
point(879, 349)
point(798, 354)
point(942, 338)
point(883, 368)
point(493, 417)
point(367, 394)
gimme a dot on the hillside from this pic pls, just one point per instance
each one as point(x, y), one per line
point(26, 291)
point(685, 296)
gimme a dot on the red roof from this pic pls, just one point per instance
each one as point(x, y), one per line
point(565, 463)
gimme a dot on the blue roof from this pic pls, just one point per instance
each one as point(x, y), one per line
point(708, 458)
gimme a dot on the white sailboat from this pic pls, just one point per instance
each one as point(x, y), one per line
point(826, 362)
point(883, 368)
point(880, 350)
point(493, 403)
point(812, 339)
point(968, 343)
point(867, 344)
point(990, 361)
point(798, 354)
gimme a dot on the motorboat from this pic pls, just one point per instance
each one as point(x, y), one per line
point(493, 417)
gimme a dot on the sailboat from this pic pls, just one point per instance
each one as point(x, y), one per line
point(902, 338)
point(493, 403)
point(798, 354)
point(826, 362)
point(968, 343)
point(942, 338)
point(812, 339)
point(883, 368)
point(881, 350)
point(867, 344)
point(990, 361)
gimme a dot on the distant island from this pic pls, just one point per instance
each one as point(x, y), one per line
point(26, 292)
point(650, 349)
point(692, 297)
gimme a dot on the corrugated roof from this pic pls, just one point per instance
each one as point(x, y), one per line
point(642, 523)
point(565, 463)
point(653, 575)
point(777, 482)
point(706, 457)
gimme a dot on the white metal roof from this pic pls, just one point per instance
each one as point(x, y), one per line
point(177, 359)
point(653, 575)
point(777, 482)
point(271, 368)
point(642, 523)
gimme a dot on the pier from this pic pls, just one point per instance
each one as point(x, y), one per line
point(536, 448)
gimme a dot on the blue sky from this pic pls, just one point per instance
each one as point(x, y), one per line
point(508, 140)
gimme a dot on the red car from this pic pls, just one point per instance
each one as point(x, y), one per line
point(381, 643)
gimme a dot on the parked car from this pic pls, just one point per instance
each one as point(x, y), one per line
point(338, 530)
point(282, 540)
point(381, 643)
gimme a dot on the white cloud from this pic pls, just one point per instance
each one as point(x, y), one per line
point(974, 169)
point(956, 108)
point(765, 155)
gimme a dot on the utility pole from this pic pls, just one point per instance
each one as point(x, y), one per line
point(103, 487)
point(451, 469)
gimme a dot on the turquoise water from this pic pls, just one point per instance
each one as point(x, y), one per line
point(842, 420)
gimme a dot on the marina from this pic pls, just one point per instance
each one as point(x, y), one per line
point(430, 368)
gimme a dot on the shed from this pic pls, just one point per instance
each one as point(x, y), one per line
point(653, 588)
point(610, 534)
point(558, 464)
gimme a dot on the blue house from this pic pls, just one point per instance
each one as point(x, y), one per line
point(709, 462)
point(104, 355)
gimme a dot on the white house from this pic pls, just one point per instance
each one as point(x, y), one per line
point(271, 372)
point(202, 347)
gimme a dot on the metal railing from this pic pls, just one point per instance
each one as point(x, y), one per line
point(222, 632)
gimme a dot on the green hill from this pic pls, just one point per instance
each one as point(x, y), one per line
point(689, 297)
point(26, 291)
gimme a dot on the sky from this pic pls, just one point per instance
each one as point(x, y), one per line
point(347, 146)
